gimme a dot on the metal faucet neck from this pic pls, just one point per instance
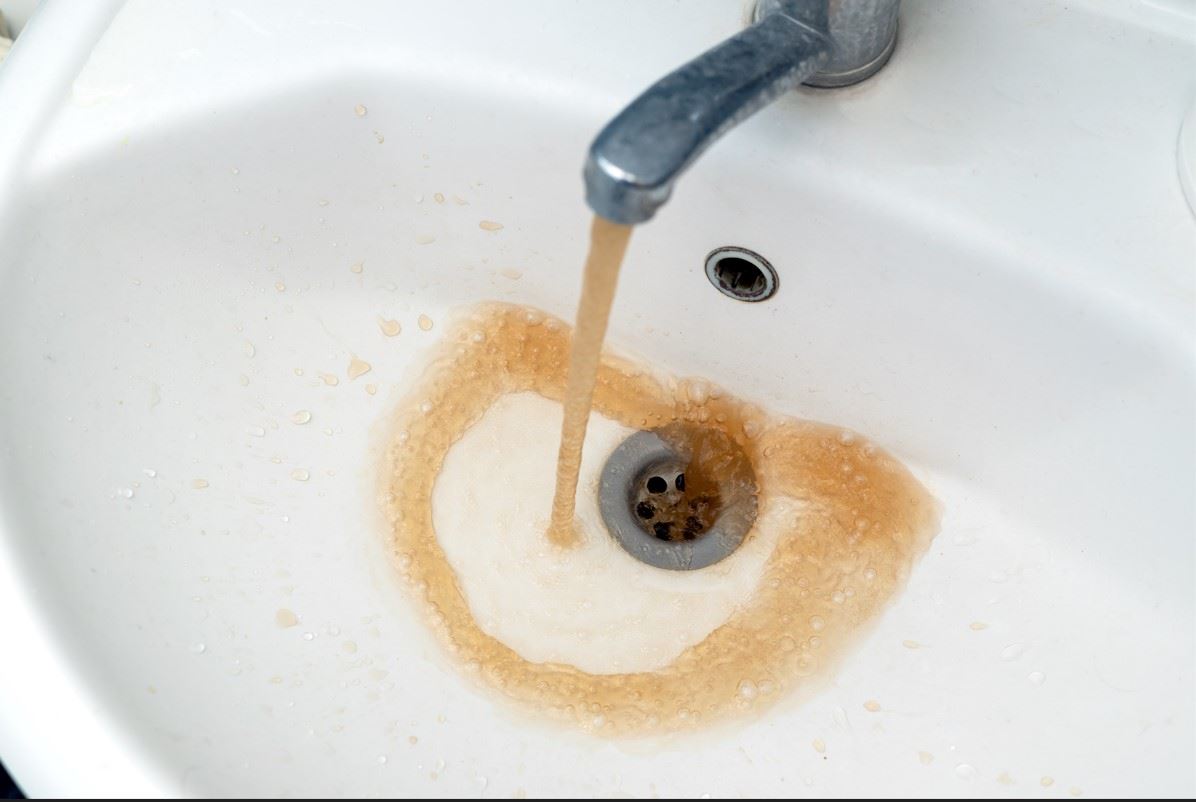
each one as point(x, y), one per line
point(638, 156)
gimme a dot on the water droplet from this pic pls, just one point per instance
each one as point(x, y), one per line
point(300, 475)
point(1012, 652)
point(872, 706)
point(1036, 678)
point(966, 771)
point(806, 665)
point(236, 171)
point(977, 626)
point(819, 745)
point(285, 618)
point(357, 368)
point(1004, 779)
point(301, 417)
point(817, 623)
point(424, 239)
point(371, 388)
point(911, 644)
point(390, 328)
point(349, 647)
point(381, 760)
point(378, 136)
point(200, 484)
point(330, 379)
point(198, 648)
point(438, 197)
point(309, 636)
point(511, 273)
point(925, 758)
point(747, 690)
point(425, 323)
point(356, 267)
point(1047, 782)
point(360, 110)
point(837, 597)
point(490, 225)
point(124, 492)
point(150, 472)
point(249, 349)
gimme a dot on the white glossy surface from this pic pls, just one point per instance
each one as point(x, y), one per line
point(987, 265)
point(17, 13)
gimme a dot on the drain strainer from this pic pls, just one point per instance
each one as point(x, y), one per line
point(671, 511)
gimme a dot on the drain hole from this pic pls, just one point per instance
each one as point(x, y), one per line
point(681, 497)
point(741, 274)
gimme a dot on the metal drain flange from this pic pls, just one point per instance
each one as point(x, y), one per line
point(644, 503)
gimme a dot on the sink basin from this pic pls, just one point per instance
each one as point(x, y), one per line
point(986, 262)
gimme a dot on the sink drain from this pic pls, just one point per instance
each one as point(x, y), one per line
point(667, 509)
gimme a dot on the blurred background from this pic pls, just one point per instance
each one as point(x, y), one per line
point(13, 16)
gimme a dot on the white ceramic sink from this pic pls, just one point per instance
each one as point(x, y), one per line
point(987, 265)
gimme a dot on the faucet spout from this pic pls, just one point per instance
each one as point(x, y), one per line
point(636, 159)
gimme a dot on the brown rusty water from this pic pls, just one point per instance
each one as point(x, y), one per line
point(608, 243)
point(848, 520)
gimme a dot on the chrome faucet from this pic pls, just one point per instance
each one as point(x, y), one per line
point(638, 156)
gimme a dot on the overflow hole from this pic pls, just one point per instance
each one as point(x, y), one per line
point(741, 274)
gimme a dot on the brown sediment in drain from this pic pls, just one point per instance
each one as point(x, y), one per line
point(717, 478)
point(863, 520)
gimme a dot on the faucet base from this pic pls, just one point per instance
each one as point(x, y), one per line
point(835, 80)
